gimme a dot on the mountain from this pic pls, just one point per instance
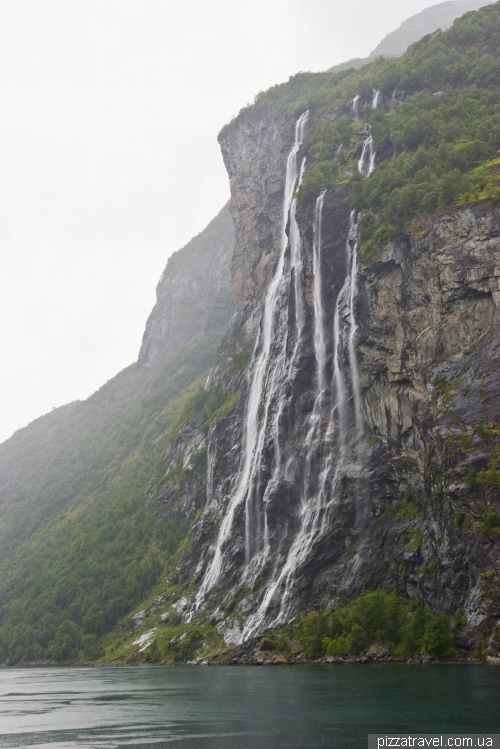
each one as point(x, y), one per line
point(354, 459)
point(78, 544)
point(193, 294)
point(311, 469)
point(428, 21)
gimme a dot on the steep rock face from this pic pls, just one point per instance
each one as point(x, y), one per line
point(194, 301)
point(428, 360)
point(379, 478)
point(256, 203)
point(79, 476)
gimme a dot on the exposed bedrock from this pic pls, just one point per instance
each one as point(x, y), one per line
point(377, 416)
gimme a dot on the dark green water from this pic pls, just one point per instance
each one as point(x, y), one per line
point(242, 708)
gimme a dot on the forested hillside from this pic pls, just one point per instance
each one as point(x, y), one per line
point(79, 544)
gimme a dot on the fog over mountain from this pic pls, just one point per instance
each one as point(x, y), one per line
point(110, 162)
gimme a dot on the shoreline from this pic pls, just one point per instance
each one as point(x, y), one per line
point(278, 660)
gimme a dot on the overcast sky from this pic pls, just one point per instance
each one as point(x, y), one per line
point(109, 160)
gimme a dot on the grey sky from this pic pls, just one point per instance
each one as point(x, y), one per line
point(109, 160)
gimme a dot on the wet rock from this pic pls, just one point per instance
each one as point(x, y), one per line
point(138, 619)
point(133, 659)
point(407, 516)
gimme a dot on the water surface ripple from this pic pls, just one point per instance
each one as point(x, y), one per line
point(241, 708)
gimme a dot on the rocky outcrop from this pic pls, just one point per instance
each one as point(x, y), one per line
point(194, 301)
point(428, 360)
point(256, 203)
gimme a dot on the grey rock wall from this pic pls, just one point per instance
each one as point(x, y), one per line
point(194, 300)
point(409, 512)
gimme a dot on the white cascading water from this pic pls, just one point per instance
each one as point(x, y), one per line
point(316, 506)
point(296, 266)
point(355, 107)
point(319, 322)
point(366, 164)
point(210, 471)
point(327, 456)
point(353, 290)
point(319, 351)
point(255, 427)
point(339, 402)
point(312, 508)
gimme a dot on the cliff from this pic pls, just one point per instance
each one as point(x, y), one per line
point(358, 447)
point(79, 545)
point(312, 468)
point(194, 300)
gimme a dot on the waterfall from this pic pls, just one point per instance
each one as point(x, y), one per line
point(339, 401)
point(355, 107)
point(207, 384)
point(210, 471)
point(312, 438)
point(319, 327)
point(353, 289)
point(257, 417)
point(339, 443)
point(313, 502)
point(329, 444)
point(347, 299)
point(376, 97)
point(296, 267)
point(366, 164)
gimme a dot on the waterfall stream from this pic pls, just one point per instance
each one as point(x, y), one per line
point(256, 415)
point(366, 164)
point(353, 289)
point(296, 267)
point(355, 107)
point(338, 446)
point(327, 452)
point(210, 471)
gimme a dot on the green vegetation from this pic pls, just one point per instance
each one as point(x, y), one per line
point(439, 141)
point(184, 643)
point(82, 539)
point(409, 511)
point(438, 148)
point(81, 545)
point(398, 626)
point(220, 407)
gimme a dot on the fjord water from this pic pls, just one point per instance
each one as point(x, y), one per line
point(240, 707)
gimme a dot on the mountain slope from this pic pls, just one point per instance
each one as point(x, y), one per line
point(194, 296)
point(78, 544)
point(431, 19)
point(347, 436)
point(357, 441)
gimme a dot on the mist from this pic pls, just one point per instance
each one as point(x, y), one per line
point(110, 162)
